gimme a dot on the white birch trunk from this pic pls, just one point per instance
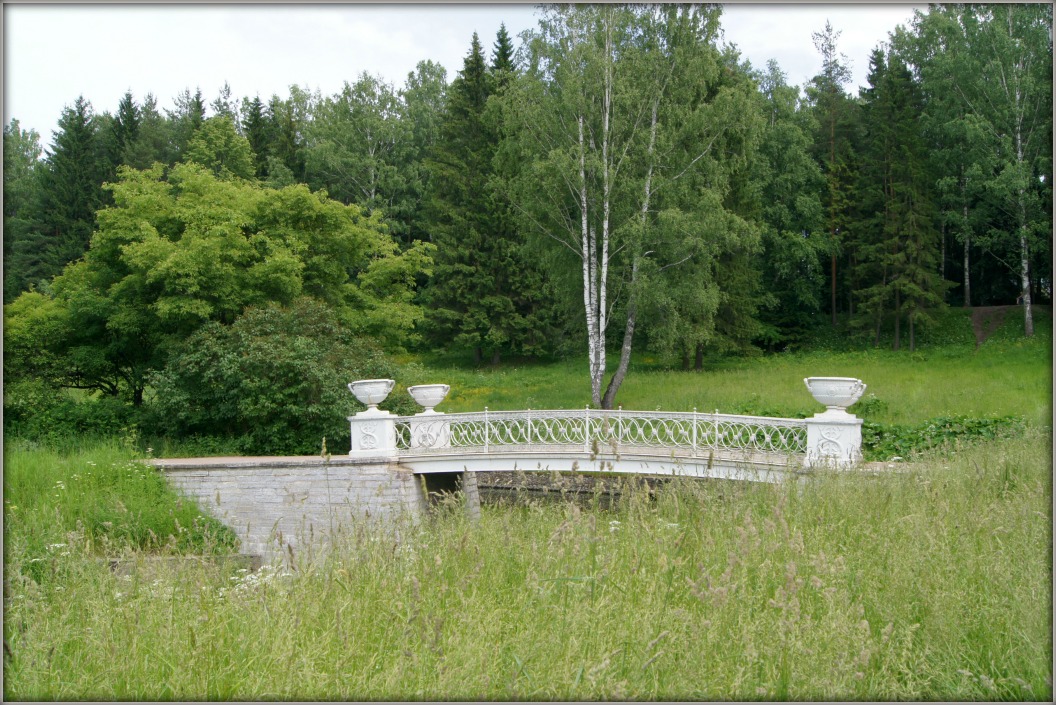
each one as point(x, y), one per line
point(632, 304)
point(589, 291)
point(1024, 252)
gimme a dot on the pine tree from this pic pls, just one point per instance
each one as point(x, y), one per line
point(833, 110)
point(152, 136)
point(223, 105)
point(255, 128)
point(71, 189)
point(126, 124)
point(484, 292)
point(502, 53)
point(22, 240)
point(896, 234)
point(185, 120)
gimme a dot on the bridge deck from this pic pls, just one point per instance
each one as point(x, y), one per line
point(740, 465)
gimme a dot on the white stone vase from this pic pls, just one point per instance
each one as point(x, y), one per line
point(835, 393)
point(428, 395)
point(371, 391)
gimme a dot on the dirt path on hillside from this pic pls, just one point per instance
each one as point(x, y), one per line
point(987, 319)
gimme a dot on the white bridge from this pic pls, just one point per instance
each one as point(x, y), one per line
point(274, 503)
point(609, 441)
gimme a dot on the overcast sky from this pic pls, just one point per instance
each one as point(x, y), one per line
point(54, 53)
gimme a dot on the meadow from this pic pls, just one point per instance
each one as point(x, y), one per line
point(934, 583)
point(1006, 375)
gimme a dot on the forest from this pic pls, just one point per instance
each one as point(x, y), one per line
point(615, 183)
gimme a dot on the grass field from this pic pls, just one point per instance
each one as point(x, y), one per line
point(1007, 375)
point(932, 584)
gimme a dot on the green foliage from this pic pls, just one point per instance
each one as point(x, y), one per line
point(69, 192)
point(836, 116)
point(895, 240)
point(184, 121)
point(218, 147)
point(22, 256)
point(182, 248)
point(360, 150)
point(37, 411)
point(793, 242)
point(885, 441)
point(274, 381)
point(487, 295)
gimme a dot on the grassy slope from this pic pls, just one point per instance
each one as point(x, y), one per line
point(1007, 375)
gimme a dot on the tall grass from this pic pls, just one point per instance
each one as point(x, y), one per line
point(934, 584)
point(99, 497)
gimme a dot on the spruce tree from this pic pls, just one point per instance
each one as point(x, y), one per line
point(71, 189)
point(502, 52)
point(484, 293)
point(22, 239)
point(834, 112)
point(896, 234)
point(126, 124)
point(255, 128)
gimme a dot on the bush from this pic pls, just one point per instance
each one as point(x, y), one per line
point(885, 441)
point(275, 380)
point(37, 411)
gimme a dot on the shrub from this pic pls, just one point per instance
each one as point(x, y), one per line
point(276, 380)
point(884, 441)
point(36, 410)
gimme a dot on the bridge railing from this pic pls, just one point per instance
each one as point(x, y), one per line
point(829, 438)
point(598, 431)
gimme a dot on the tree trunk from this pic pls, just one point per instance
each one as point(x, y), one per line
point(632, 303)
point(595, 334)
point(625, 352)
point(967, 271)
point(698, 364)
point(880, 316)
point(898, 319)
point(1024, 252)
point(942, 261)
point(1028, 314)
point(834, 282)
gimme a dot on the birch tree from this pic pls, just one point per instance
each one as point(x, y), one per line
point(998, 64)
point(625, 120)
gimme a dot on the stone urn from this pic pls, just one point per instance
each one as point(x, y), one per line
point(428, 395)
point(371, 391)
point(836, 393)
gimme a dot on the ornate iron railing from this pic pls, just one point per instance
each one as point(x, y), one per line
point(599, 432)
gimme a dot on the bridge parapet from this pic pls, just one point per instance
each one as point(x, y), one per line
point(831, 438)
point(598, 431)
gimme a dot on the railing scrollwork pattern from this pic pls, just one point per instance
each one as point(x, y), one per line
point(599, 432)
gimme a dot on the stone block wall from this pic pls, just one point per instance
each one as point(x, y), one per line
point(272, 502)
